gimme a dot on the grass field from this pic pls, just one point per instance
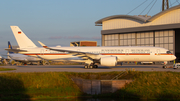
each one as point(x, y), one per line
point(150, 85)
point(6, 69)
point(146, 85)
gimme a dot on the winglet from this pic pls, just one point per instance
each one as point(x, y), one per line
point(43, 44)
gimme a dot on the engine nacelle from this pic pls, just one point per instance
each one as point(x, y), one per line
point(109, 61)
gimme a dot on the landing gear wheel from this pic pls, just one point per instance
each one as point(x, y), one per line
point(86, 66)
point(91, 66)
point(164, 67)
point(95, 66)
point(31, 63)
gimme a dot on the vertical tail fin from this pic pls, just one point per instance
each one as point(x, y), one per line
point(9, 46)
point(22, 40)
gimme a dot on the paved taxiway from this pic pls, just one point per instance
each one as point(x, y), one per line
point(80, 68)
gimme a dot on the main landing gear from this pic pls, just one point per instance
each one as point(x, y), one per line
point(164, 66)
point(90, 66)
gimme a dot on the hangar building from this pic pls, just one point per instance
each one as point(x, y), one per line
point(161, 30)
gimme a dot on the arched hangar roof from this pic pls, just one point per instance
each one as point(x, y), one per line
point(99, 22)
point(141, 19)
point(164, 12)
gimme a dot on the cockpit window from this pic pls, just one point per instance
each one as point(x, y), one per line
point(168, 52)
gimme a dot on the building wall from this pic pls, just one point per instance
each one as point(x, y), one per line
point(145, 39)
point(84, 43)
point(165, 39)
point(162, 30)
point(153, 38)
point(171, 17)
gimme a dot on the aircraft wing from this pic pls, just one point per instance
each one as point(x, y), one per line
point(15, 50)
point(83, 55)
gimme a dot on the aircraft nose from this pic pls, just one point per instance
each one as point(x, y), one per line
point(173, 57)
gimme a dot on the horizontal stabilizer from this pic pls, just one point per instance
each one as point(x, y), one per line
point(16, 50)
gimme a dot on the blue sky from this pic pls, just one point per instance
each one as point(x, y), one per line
point(59, 22)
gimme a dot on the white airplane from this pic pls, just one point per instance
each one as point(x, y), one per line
point(105, 56)
point(0, 59)
point(4, 59)
point(20, 57)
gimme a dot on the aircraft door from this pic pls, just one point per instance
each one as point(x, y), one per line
point(42, 52)
point(127, 52)
point(158, 52)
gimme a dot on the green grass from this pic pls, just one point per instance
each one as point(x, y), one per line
point(150, 85)
point(6, 69)
point(37, 84)
point(146, 85)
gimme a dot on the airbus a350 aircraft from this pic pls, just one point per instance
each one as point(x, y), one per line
point(106, 56)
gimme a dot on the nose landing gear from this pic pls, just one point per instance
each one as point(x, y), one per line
point(164, 66)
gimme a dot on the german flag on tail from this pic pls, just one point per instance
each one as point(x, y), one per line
point(19, 32)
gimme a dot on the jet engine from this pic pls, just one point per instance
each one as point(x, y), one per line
point(109, 61)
